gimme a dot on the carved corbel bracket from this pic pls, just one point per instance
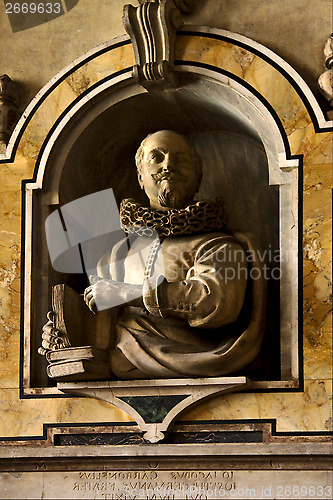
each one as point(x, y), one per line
point(325, 81)
point(9, 102)
point(155, 404)
point(152, 27)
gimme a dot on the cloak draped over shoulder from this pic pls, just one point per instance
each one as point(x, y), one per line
point(203, 314)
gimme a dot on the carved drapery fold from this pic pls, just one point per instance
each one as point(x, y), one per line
point(152, 27)
point(9, 101)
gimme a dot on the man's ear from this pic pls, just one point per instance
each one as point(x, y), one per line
point(140, 180)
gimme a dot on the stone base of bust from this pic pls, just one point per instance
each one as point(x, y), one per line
point(154, 404)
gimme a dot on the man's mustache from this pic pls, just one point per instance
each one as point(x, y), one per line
point(163, 176)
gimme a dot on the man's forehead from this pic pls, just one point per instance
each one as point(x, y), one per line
point(165, 141)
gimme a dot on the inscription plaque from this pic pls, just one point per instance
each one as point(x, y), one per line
point(167, 484)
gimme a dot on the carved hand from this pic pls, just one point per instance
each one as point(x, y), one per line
point(51, 338)
point(105, 293)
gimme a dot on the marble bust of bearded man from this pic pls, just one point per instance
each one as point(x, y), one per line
point(186, 307)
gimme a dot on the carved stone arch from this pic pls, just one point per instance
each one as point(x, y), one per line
point(233, 101)
point(72, 139)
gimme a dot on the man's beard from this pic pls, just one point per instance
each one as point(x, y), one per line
point(171, 199)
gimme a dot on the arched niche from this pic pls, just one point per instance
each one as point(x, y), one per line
point(92, 147)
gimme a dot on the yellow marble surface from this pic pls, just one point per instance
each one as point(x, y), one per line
point(252, 69)
point(68, 90)
point(317, 269)
point(310, 410)
point(12, 174)
point(10, 235)
point(25, 417)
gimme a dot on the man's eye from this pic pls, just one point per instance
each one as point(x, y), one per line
point(156, 158)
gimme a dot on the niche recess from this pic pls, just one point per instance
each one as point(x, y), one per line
point(93, 148)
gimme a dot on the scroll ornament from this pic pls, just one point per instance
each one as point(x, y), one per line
point(152, 27)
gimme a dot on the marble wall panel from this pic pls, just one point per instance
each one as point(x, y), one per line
point(66, 92)
point(263, 77)
point(12, 175)
point(308, 411)
point(10, 236)
point(315, 148)
point(26, 417)
point(317, 220)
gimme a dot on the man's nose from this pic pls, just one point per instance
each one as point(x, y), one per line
point(168, 163)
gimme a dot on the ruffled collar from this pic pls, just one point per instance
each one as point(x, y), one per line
point(201, 216)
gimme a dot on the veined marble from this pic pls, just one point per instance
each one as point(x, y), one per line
point(308, 411)
point(10, 229)
point(65, 93)
point(25, 417)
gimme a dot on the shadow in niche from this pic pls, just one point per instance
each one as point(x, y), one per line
point(234, 169)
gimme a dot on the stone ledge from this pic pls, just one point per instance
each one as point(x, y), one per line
point(154, 404)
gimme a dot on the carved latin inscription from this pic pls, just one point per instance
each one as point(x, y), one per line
point(188, 484)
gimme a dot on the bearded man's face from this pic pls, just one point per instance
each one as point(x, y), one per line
point(167, 171)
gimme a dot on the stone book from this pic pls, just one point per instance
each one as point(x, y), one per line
point(78, 326)
point(76, 353)
point(70, 315)
point(79, 369)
